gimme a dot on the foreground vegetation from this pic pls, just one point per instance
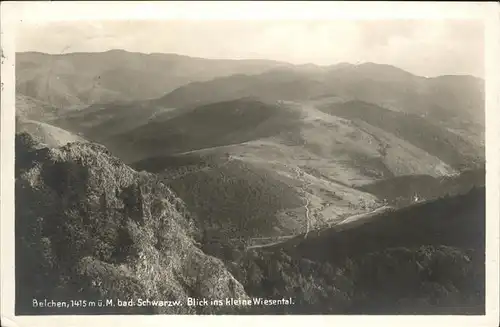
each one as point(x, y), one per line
point(90, 227)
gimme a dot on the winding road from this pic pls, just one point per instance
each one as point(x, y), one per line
point(300, 177)
point(280, 239)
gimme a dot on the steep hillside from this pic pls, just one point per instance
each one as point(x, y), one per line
point(250, 203)
point(424, 259)
point(455, 102)
point(291, 133)
point(89, 227)
point(237, 200)
point(421, 134)
point(306, 170)
point(80, 79)
point(206, 126)
point(268, 188)
point(433, 139)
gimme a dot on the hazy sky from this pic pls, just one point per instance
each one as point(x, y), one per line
point(423, 47)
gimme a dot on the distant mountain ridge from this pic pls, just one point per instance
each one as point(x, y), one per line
point(81, 79)
point(166, 81)
point(384, 85)
point(51, 77)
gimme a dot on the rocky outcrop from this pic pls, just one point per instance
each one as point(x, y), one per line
point(89, 227)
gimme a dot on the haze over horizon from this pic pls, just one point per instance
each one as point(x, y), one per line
point(425, 48)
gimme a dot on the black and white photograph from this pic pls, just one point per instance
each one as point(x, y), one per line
point(250, 167)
